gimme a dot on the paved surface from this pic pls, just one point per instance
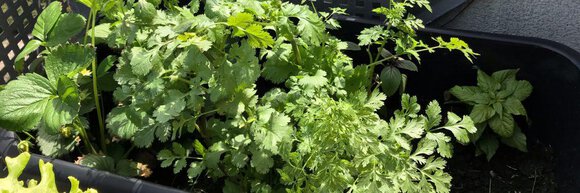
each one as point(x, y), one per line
point(557, 20)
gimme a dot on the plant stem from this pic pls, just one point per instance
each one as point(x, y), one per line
point(96, 88)
point(84, 136)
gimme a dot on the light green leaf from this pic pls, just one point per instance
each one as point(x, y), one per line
point(311, 27)
point(261, 161)
point(316, 81)
point(23, 102)
point(30, 47)
point(46, 20)
point(271, 129)
point(68, 59)
point(195, 169)
point(277, 68)
point(145, 11)
point(124, 122)
point(257, 37)
point(502, 125)
point(433, 112)
point(481, 113)
point(68, 25)
point(141, 61)
point(102, 32)
point(460, 127)
point(174, 103)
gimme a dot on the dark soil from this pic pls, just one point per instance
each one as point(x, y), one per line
point(509, 171)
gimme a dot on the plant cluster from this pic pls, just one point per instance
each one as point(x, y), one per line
point(47, 184)
point(255, 93)
point(495, 101)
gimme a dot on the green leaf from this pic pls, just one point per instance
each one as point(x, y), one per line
point(195, 169)
point(488, 144)
point(173, 105)
point(433, 112)
point(141, 61)
point(145, 11)
point(460, 127)
point(390, 80)
point(257, 37)
point(502, 125)
point(23, 101)
point(124, 122)
point(271, 129)
point(514, 106)
point(316, 81)
point(46, 20)
point(311, 28)
point(68, 60)
point(470, 94)
point(102, 32)
point(370, 35)
point(68, 25)
point(278, 67)
point(105, 65)
point(54, 145)
point(261, 161)
point(486, 82)
point(99, 162)
point(504, 75)
point(407, 65)
point(481, 113)
point(523, 90)
point(30, 47)
point(517, 140)
point(64, 109)
point(241, 20)
point(199, 148)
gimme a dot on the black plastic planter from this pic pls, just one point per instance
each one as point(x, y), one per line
point(104, 182)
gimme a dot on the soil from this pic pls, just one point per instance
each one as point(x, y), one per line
point(509, 171)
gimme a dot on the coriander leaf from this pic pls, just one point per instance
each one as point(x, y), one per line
point(278, 67)
point(124, 122)
point(257, 37)
point(261, 161)
point(433, 112)
point(459, 127)
point(311, 27)
point(195, 169)
point(316, 81)
point(68, 25)
point(370, 35)
point(271, 129)
point(173, 105)
point(68, 59)
point(141, 61)
point(46, 20)
point(145, 11)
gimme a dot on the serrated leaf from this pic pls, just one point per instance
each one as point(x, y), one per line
point(277, 68)
point(23, 101)
point(179, 165)
point(145, 11)
point(517, 140)
point(261, 161)
point(195, 169)
point(30, 47)
point(120, 125)
point(199, 148)
point(64, 109)
point(433, 112)
point(173, 105)
point(503, 75)
point(316, 81)
point(99, 162)
point(502, 125)
point(141, 61)
point(144, 137)
point(68, 25)
point(68, 60)
point(257, 37)
point(469, 94)
point(271, 129)
point(523, 90)
point(486, 82)
point(105, 65)
point(460, 127)
point(488, 144)
point(311, 28)
point(390, 80)
point(53, 145)
point(481, 113)
point(514, 106)
point(370, 35)
point(46, 20)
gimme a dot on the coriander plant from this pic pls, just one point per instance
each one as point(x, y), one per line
point(255, 94)
point(495, 100)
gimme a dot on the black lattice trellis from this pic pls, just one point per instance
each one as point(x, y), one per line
point(17, 18)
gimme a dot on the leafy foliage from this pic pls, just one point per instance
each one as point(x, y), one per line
point(495, 100)
point(11, 183)
point(187, 81)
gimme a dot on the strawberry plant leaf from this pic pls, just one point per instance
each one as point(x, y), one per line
point(68, 59)
point(46, 20)
point(20, 109)
point(68, 25)
point(30, 47)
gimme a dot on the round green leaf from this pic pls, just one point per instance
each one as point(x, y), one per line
point(391, 80)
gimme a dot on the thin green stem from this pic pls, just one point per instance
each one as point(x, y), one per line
point(96, 88)
point(85, 138)
point(30, 136)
